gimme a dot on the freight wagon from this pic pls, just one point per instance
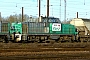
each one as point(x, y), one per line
point(83, 27)
point(4, 30)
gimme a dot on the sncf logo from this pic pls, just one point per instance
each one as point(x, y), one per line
point(56, 27)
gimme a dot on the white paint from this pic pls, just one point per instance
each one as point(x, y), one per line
point(19, 37)
point(56, 27)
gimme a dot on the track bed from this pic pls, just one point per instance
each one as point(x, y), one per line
point(32, 51)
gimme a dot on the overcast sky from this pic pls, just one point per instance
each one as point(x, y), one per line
point(11, 7)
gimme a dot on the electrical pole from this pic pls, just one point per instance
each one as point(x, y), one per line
point(39, 7)
point(47, 8)
point(77, 14)
point(22, 14)
point(22, 19)
point(84, 2)
point(60, 9)
point(65, 11)
point(0, 17)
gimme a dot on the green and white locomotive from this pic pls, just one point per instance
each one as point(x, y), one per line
point(45, 30)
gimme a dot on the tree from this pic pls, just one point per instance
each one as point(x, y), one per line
point(18, 18)
point(15, 18)
point(11, 18)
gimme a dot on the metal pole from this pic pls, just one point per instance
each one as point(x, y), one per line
point(65, 11)
point(22, 14)
point(84, 2)
point(60, 9)
point(47, 8)
point(39, 6)
point(77, 14)
point(0, 17)
point(52, 9)
point(22, 20)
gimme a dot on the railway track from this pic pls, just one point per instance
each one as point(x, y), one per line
point(44, 49)
point(43, 52)
point(46, 55)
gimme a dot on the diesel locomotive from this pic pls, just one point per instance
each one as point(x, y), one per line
point(44, 30)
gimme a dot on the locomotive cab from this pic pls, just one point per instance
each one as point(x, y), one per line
point(16, 32)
